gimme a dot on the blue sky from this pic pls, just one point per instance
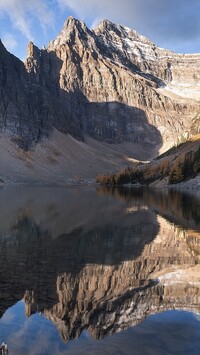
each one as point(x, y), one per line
point(172, 24)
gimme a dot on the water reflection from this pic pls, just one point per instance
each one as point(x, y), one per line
point(98, 260)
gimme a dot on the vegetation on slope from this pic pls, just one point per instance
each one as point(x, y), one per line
point(178, 164)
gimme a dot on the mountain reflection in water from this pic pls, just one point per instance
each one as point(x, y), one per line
point(100, 260)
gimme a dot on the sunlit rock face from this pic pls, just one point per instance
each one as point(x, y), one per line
point(127, 88)
point(110, 83)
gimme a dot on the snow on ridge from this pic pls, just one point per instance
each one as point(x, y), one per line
point(133, 43)
point(142, 38)
point(184, 90)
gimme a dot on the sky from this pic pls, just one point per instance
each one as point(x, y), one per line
point(171, 24)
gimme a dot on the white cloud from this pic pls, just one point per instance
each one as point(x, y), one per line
point(94, 9)
point(9, 41)
point(23, 12)
point(169, 23)
point(165, 21)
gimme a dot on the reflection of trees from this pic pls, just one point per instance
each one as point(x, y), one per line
point(182, 208)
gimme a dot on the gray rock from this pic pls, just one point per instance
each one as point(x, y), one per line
point(110, 83)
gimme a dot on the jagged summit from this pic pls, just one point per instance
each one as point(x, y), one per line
point(71, 28)
point(71, 19)
point(32, 50)
point(121, 44)
point(104, 24)
point(107, 26)
point(72, 22)
point(107, 29)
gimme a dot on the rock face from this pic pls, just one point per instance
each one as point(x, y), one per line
point(28, 111)
point(110, 83)
point(24, 111)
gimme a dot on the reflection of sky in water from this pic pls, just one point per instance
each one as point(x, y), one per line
point(171, 332)
point(34, 335)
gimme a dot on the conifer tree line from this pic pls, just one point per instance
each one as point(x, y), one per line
point(174, 168)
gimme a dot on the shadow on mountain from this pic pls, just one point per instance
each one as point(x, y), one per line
point(36, 104)
point(115, 122)
point(110, 121)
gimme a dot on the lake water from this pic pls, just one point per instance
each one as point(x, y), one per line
point(99, 271)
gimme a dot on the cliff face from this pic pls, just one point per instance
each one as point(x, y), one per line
point(110, 83)
point(28, 111)
point(129, 89)
point(24, 113)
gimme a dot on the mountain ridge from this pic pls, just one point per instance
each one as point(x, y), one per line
point(111, 84)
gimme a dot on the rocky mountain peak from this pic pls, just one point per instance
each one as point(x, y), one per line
point(106, 27)
point(72, 22)
point(71, 29)
point(32, 51)
point(126, 46)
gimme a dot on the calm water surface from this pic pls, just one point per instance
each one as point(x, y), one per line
point(99, 271)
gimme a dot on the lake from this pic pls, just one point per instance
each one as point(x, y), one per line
point(94, 270)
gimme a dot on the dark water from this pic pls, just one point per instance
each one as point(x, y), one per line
point(98, 271)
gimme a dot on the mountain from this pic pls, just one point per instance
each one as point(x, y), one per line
point(92, 101)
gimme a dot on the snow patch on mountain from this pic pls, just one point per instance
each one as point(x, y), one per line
point(183, 90)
